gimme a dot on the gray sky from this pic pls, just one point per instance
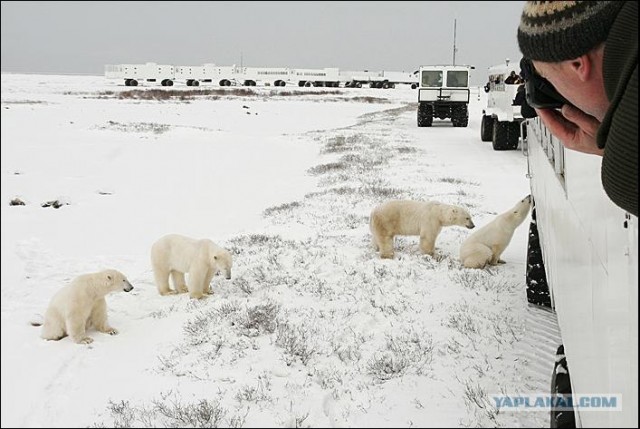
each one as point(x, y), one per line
point(81, 37)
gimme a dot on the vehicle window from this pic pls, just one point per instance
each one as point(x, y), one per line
point(457, 79)
point(432, 78)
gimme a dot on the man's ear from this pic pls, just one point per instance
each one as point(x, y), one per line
point(582, 67)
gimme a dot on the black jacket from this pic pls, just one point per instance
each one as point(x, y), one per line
point(618, 134)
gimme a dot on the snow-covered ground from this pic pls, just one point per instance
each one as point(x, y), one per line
point(313, 329)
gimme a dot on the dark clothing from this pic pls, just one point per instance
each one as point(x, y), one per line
point(513, 80)
point(521, 100)
point(618, 134)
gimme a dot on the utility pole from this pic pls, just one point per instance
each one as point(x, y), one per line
point(454, 42)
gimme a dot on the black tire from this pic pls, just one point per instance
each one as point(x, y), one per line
point(195, 83)
point(189, 82)
point(358, 84)
point(486, 128)
point(425, 115)
point(127, 82)
point(500, 135)
point(560, 386)
point(414, 85)
point(460, 116)
point(169, 82)
point(536, 275)
point(301, 83)
point(133, 82)
point(514, 135)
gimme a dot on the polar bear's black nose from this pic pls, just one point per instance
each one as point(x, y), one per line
point(470, 225)
point(128, 287)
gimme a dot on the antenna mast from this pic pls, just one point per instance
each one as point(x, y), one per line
point(454, 42)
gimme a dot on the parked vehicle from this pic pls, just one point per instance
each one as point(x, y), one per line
point(443, 92)
point(501, 117)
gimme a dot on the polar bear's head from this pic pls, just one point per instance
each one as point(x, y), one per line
point(520, 211)
point(115, 281)
point(222, 262)
point(455, 215)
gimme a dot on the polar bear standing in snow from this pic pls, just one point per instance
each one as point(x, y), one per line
point(175, 255)
point(406, 217)
point(487, 244)
point(80, 305)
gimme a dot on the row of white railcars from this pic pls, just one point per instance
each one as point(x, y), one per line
point(166, 75)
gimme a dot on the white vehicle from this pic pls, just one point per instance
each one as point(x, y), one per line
point(327, 77)
point(267, 76)
point(443, 92)
point(135, 73)
point(585, 249)
point(501, 118)
point(377, 79)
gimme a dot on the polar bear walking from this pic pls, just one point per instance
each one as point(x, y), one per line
point(406, 217)
point(176, 255)
point(81, 305)
point(485, 246)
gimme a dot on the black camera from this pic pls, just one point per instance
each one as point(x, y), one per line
point(540, 93)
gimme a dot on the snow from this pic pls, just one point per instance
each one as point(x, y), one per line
point(313, 329)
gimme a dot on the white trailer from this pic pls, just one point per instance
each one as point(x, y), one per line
point(222, 75)
point(267, 76)
point(135, 73)
point(501, 118)
point(585, 249)
point(328, 77)
point(192, 75)
point(377, 79)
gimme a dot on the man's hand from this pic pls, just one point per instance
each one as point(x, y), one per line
point(574, 128)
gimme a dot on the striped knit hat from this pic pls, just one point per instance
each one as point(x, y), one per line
point(554, 31)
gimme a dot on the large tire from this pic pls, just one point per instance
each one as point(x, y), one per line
point(460, 116)
point(500, 135)
point(536, 275)
point(425, 115)
point(133, 82)
point(486, 128)
point(561, 386)
point(506, 135)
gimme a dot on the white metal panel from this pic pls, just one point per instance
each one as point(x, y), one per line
point(593, 276)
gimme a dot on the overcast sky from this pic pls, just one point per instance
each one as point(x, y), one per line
point(81, 37)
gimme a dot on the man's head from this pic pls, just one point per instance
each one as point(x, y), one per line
point(555, 31)
point(565, 40)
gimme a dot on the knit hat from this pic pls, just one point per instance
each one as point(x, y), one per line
point(554, 31)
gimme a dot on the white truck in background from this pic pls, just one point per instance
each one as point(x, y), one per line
point(583, 263)
point(443, 92)
point(327, 77)
point(377, 79)
point(501, 118)
point(133, 74)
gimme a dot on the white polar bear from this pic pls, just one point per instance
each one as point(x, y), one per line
point(486, 244)
point(80, 305)
point(177, 255)
point(406, 217)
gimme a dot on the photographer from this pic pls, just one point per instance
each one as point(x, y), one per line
point(588, 51)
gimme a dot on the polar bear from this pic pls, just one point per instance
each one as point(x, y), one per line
point(177, 255)
point(486, 244)
point(80, 305)
point(406, 217)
